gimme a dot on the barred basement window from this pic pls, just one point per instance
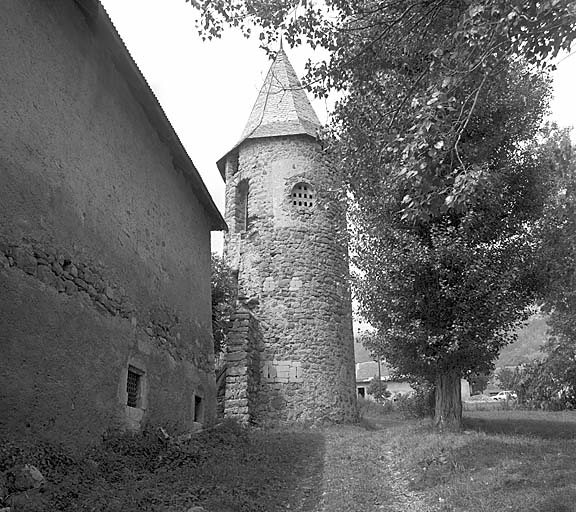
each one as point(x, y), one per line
point(302, 195)
point(133, 387)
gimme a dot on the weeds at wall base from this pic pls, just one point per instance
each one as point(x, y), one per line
point(219, 469)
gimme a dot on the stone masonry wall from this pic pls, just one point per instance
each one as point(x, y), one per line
point(104, 246)
point(293, 269)
point(243, 367)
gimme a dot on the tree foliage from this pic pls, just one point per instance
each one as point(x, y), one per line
point(507, 378)
point(379, 390)
point(546, 384)
point(478, 382)
point(551, 381)
point(223, 301)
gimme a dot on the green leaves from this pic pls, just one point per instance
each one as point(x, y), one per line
point(223, 286)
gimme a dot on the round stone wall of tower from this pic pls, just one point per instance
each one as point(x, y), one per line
point(287, 240)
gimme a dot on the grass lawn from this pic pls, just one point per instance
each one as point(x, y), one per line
point(503, 461)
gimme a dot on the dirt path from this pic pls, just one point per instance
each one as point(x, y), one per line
point(361, 473)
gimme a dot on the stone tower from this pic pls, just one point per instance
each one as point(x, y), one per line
point(290, 355)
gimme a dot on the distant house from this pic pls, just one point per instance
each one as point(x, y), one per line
point(105, 310)
point(368, 371)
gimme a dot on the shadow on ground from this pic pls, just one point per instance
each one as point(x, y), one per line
point(279, 471)
point(545, 428)
point(224, 470)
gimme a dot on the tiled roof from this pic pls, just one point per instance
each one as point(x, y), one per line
point(366, 371)
point(282, 107)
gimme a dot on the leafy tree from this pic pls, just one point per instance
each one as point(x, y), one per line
point(379, 390)
point(551, 381)
point(508, 378)
point(559, 232)
point(545, 385)
point(478, 382)
point(223, 301)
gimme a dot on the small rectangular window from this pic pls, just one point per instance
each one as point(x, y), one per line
point(198, 409)
point(133, 386)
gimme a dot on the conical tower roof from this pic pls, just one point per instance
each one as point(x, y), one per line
point(281, 108)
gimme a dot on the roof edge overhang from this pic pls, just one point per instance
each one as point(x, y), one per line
point(103, 28)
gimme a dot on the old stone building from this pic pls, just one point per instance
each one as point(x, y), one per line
point(104, 237)
point(291, 352)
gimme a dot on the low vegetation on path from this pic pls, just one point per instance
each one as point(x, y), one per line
point(504, 460)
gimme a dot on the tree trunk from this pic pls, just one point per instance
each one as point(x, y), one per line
point(448, 402)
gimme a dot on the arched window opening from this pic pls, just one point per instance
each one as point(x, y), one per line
point(242, 206)
point(302, 195)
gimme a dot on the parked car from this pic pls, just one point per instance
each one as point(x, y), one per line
point(505, 395)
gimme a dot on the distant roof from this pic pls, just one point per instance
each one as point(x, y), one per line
point(368, 370)
point(110, 39)
point(282, 107)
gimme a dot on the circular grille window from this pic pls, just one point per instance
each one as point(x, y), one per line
point(302, 195)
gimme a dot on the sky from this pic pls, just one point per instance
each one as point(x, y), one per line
point(207, 89)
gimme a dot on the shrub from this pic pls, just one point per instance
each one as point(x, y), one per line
point(540, 387)
point(419, 404)
point(368, 408)
point(379, 390)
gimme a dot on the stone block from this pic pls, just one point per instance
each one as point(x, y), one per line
point(24, 477)
point(110, 307)
point(70, 288)
point(237, 370)
point(45, 274)
point(89, 277)
point(236, 356)
point(59, 284)
point(269, 284)
point(42, 261)
point(81, 284)
point(4, 262)
point(242, 402)
point(295, 284)
point(99, 285)
point(24, 259)
point(100, 307)
point(71, 269)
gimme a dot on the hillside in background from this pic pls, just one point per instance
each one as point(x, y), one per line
point(527, 348)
